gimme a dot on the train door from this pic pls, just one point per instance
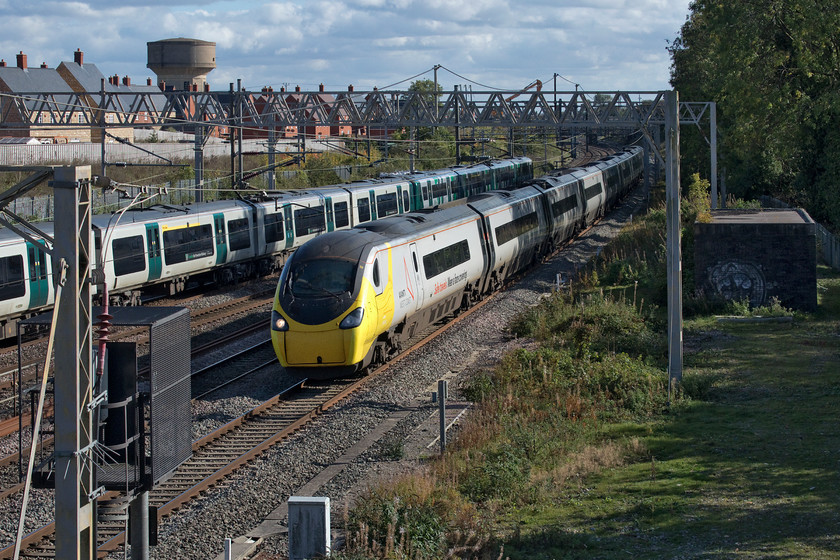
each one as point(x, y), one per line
point(401, 208)
point(221, 237)
point(153, 249)
point(39, 286)
point(328, 206)
point(290, 226)
point(373, 213)
point(418, 281)
point(417, 201)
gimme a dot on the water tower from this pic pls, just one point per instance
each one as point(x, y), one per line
point(182, 63)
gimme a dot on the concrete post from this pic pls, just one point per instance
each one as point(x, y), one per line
point(309, 527)
point(138, 517)
point(443, 387)
point(714, 171)
point(674, 252)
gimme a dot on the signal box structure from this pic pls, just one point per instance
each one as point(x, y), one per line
point(154, 407)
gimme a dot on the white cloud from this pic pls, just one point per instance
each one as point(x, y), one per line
point(606, 44)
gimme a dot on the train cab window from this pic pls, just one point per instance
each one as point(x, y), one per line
point(309, 221)
point(364, 210)
point(188, 243)
point(11, 278)
point(323, 277)
point(274, 231)
point(376, 279)
point(129, 255)
point(239, 234)
point(342, 216)
point(386, 204)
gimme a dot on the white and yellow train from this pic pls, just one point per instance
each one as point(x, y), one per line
point(352, 298)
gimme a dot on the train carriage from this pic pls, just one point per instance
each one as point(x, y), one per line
point(591, 190)
point(349, 287)
point(26, 279)
point(516, 225)
point(564, 206)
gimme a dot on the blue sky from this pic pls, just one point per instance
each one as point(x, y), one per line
point(506, 44)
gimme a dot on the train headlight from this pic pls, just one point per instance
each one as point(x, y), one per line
point(353, 320)
point(278, 322)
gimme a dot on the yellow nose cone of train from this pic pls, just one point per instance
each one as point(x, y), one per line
point(326, 344)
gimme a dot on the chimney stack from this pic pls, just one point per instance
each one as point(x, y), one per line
point(126, 81)
point(321, 88)
point(44, 65)
point(350, 88)
point(148, 81)
point(78, 57)
point(162, 86)
point(21, 60)
point(206, 86)
point(2, 63)
point(297, 89)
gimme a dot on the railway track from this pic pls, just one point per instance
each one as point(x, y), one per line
point(198, 319)
point(215, 457)
point(9, 462)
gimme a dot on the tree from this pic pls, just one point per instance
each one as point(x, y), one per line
point(773, 67)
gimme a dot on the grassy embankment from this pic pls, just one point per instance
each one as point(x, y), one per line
point(573, 452)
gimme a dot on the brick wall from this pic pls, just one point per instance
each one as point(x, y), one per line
point(757, 255)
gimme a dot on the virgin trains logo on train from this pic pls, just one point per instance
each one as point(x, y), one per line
point(441, 286)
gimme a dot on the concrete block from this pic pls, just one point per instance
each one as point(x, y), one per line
point(309, 527)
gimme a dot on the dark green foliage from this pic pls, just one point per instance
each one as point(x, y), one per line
point(500, 475)
point(774, 70)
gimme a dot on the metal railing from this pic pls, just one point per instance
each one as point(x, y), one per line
point(828, 246)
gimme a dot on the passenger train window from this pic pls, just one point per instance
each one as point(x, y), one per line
point(186, 244)
point(439, 188)
point(518, 227)
point(405, 201)
point(274, 231)
point(425, 192)
point(342, 217)
point(364, 210)
point(593, 191)
point(239, 234)
point(129, 255)
point(445, 259)
point(564, 205)
point(11, 277)
point(309, 221)
point(386, 204)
